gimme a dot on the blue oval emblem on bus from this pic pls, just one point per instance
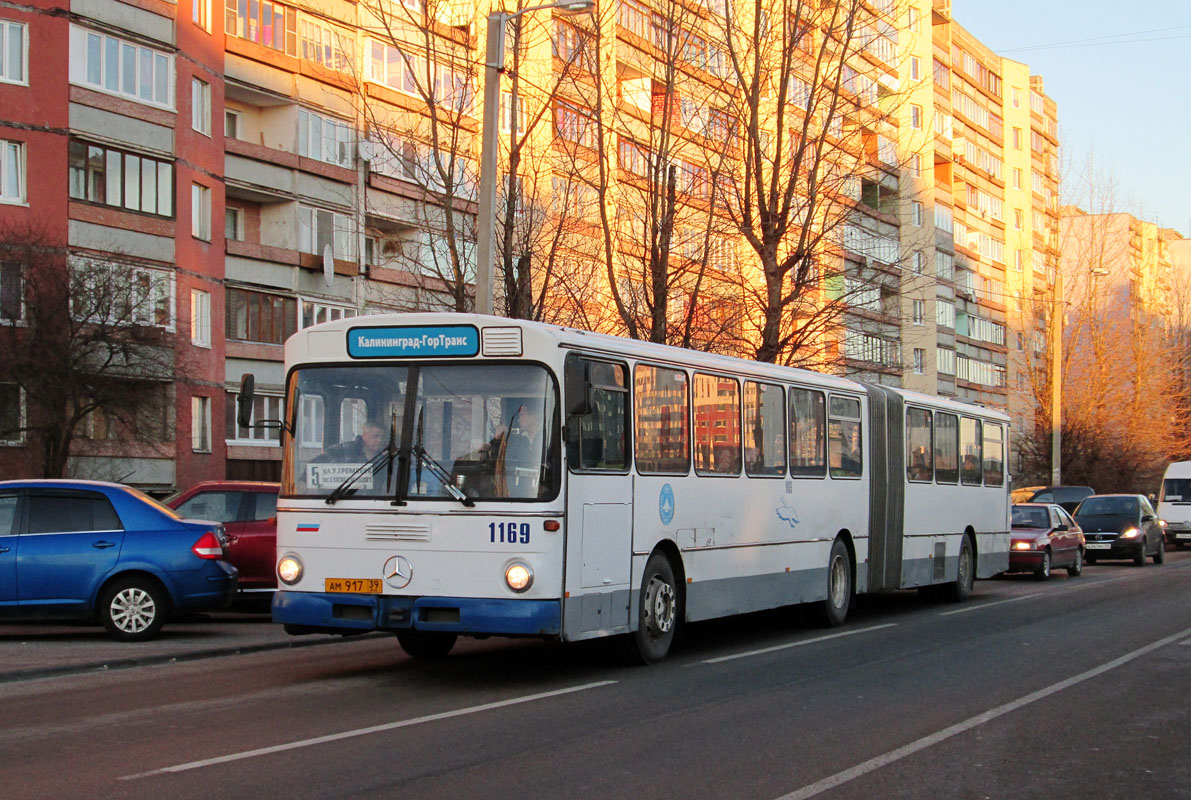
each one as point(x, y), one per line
point(414, 341)
point(666, 504)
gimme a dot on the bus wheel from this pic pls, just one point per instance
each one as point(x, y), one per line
point(833, 610)
point(425, 644)
point(659, 611)
point(966, 575)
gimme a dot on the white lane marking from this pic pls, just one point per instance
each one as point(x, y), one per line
point(335, 737)
point(797, 644)
point(873, 764)
point(978, 606)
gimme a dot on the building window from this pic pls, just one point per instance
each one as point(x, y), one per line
point(945, 314)
point(12, 292)
point(112, 177)
point(122, 294)
point(325, 138)
point(1018, 219)
point(915, 69)
point(270, 24)
point(912, 19)
point(200, 13)
point(264, 407)
point(116, 66)
point(12, 172)
point(200, 211)
point(916, 213)
point(575, 125)
point(1017, 138)
point(200, 106)
point(259, 317)
point(13, 46)
point(231, 124)
point(318, 228)
point(916, 165)
point(1016, 178)
point(1017, 260)
point(919, 360)
point(233, 223)
point(326, 45)
point(916, 117)
point(315, 313)
point(200, 424)
point(916, 262)
point(12, 415)
point(200, 318)
point(919, 307)
point(506, 112)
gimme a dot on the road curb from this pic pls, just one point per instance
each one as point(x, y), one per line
point(195, 655)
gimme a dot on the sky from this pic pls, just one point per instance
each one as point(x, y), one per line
point(1121, 75)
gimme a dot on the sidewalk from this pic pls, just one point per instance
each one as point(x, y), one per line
point(48, 649)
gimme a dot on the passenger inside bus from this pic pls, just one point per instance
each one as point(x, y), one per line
point(367, 444)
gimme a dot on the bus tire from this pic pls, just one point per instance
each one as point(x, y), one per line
point(659, 610)
point(833, 609)
point(965, 579)
point(426, 644)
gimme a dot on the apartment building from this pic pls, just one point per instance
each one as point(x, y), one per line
point(265, 166)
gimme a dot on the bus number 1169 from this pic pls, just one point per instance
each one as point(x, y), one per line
point(508, 532)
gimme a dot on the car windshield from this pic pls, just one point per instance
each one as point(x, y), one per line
point(1027, 517)
point(1109, 506)
point(487, 430)
point(1176, 490)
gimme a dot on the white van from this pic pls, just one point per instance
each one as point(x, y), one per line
point(1174, 503)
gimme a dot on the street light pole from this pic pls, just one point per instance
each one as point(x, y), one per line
point(494, 65)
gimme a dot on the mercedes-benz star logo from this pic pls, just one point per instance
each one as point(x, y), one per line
point(398, 572)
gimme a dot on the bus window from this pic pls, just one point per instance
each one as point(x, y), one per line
point(808, 426)
point(969, 446)
point(764, 423)
point(717, 425)
point(994, 455)
point(919, 450)
point(660, 423)
point(946, 448)
point(843, 438)
point(603, 434)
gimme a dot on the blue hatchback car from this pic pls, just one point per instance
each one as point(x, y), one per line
point(85, 550)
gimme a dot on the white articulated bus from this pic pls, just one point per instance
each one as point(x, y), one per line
point(452, 474)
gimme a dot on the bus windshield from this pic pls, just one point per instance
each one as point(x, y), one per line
point(487, 430)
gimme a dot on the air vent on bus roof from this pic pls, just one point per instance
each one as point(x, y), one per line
point(501, 341)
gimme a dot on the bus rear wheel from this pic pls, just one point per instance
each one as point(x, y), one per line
point(965, 578)
point(660, 609)
point(833, 610)
point(426, 644)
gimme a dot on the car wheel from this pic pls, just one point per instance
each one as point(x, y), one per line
point(133, 609)
point(426, 644)
point(965, 579)
point(1076, 568)
point(1043, 571)
point(1160, 553)
point(1139, 558)
point(659, 610)
point(833, 610)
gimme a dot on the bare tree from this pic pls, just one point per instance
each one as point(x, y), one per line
point(86, 341)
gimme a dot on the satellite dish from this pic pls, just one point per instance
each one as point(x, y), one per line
point(328, 265)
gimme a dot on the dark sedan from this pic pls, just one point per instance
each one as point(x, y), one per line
point(91, 550)
point(1121, 526)
point(1044, 537)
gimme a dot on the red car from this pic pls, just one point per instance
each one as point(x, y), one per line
point(1044, 536)
point(248, 511)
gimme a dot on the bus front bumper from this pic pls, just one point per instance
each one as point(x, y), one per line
point(312, 612)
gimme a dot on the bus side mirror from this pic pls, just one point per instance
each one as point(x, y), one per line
point(578, 388)
point(244, 400)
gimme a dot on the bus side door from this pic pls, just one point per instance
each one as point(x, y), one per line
point(599, 500)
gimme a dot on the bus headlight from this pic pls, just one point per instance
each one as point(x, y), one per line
point(289, 569)
point(519, 576)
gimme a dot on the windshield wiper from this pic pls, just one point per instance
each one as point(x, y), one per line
point(443, 476)
point(387, 453)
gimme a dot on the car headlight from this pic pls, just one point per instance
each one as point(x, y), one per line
point(289, 569)
point(519, 576)
point(1130, 533)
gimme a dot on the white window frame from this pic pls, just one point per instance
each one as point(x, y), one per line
point(93, 72)
point(236, 118)
point(916, 116)
point(200, 14)
point(200, 318)
point(7, 26)
point(200, 424)
point(915, 69)
point(12, 159)
point(162, 285)
point(200, 105)
point(919, 312)
point(236, 234)
point(919, 361)
point(258, 436)
point(200, 211)
point(329, 312)
point(342, 233)
point(916, 213)
point(21, 419)
point(336, 138)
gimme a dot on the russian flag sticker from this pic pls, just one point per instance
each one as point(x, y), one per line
point(308, 527)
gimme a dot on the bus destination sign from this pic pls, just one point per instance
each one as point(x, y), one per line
point(414, 341)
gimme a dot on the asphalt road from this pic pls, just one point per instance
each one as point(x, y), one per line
point(1077, 687)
